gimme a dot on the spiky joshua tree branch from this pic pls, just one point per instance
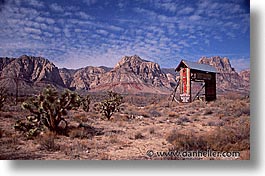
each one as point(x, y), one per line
point(49, 107)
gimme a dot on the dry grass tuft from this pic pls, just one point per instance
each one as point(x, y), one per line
point(208, 112)
point(226, 138)
point(138, 135)
point(47, 142)
point(173, 115)
point(78, 133)
point(152, 130)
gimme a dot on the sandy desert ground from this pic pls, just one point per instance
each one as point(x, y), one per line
point(145, 122)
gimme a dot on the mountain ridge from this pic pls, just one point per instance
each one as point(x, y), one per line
point(131, 74)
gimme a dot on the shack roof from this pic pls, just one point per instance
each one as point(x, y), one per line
point(196, 66)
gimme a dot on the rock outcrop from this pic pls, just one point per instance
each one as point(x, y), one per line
point(133, 75)
point(227, 78)
point(245, 75)
point(130, 75)
point(29, 71)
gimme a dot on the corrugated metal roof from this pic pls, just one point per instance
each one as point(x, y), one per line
point(197, 66)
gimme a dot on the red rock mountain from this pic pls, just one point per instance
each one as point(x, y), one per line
point(245, 74)
point(30, 71)
point(227, 78)
point(130, 75)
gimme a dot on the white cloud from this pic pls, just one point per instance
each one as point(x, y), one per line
point(67, 33)
point(56, 8)
point(83, 15)
point(186, 11)
point(90, 2)
point(76, 34)
point(170, 7)
point(103, 32)
point(40, 19)
point(114, 28)
point(35, 3)
point(32, 30)
point(195, 18)
point(50, 21)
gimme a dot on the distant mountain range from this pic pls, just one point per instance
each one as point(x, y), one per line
point(130, 75)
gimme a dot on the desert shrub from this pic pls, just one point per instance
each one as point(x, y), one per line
point(152, 130)
point(50, 107)
point(78, 133)
point(246, 110)
point(208, 112)
point(3, 96)
point(84, 131)
point(215, 123)
point(182, 120)
point(233, 96)
point(224, 138)
point(173, 115)
point(154, 113)
point(85, 102)
point(110, 105)
point(47, 142)
point(30, 129)
point(198, 104)
point(138, 135)
point(113, 139)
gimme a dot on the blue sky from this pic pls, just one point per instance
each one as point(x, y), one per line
point(76, 34)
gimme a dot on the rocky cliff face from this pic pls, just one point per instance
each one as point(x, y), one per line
point(227, 77)
point(30, 71)
point(133, 74)
point(130, 75)
point(86, 78)
point(245, 75)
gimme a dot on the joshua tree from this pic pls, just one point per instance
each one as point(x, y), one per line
point(50, 107)
point(85, 102)
point(110, 105)
point(3, 96)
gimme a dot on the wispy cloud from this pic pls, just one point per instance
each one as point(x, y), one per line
point(186, 11)
point(56, 8)
point(195, 18)
point(96, 33)
point(90, 2)
point(35, 3)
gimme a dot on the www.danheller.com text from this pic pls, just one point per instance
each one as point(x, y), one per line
point(194, 154)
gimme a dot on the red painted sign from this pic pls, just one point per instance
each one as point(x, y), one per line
point(184, 80)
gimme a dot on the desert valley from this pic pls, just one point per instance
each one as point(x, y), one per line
point(118, 113)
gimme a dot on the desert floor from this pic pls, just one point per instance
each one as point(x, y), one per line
point(145, 122)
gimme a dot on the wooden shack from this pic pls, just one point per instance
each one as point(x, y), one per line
point(194, 72)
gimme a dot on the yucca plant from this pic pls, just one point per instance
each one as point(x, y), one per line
point(110, 105)
point(50, 107)
point(85, 102)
